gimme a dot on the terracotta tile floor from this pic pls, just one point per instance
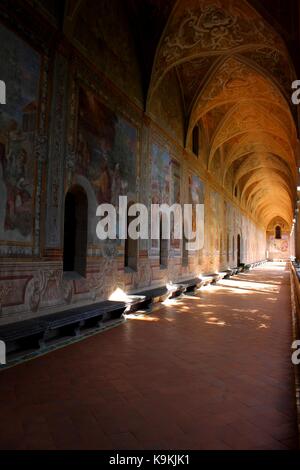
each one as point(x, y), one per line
point(207, 372)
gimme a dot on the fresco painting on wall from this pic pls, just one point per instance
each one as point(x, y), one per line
point(215, 202)
point(196, 195)
point(165, 183)
point(279, 246)
point(20, 68)
point(175, 197)
point(106, 150)
point(160, 182)
point(106, 161)
point(160, 178)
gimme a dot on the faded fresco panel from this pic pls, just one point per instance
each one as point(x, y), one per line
point(215, 201)
point(107, 147)
point(106, 150)
point(196, 190)
point(175, 197)
point(160, 178)
point(196, 196)
point(20, 69)
point(165, 183)
point(278, 248)
point(160, 175)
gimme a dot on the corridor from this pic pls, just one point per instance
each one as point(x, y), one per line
point(210, 371)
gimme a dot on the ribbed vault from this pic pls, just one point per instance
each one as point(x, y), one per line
point(235, 75)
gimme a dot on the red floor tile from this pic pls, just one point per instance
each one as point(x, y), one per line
point(211, 371)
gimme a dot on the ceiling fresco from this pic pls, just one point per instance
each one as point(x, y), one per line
point(234, 73)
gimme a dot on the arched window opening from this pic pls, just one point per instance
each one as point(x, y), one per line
point(163, 247)
point(278, 232)
point(131, 248)
point(75, 231)
point(196, 140)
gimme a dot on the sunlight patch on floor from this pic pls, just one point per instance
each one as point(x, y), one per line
point(248, 285)
point(131, 316)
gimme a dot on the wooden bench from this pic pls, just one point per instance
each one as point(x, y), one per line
point(209, 279)
point(157, 294)
point(175, 290)
point(136, 302)
point(191, 285)
point(228, 274)
point(22, 336)
point(234, 271)
point(77, 320)
point(32, 335)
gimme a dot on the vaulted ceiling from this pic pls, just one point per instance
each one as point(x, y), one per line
point(234, 71)
point(235, 74)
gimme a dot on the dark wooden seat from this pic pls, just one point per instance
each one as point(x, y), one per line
point(23, 335)
point(33, 334)
point(229, 273)
point(222, 275)
point(176, 291)
point(191, 285)
point(212, 278)
point(154, 295)
point(72, 322)
point(234, 270)
point(136, 302)
point(296, 266)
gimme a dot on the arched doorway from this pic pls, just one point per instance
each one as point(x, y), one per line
point(131, 246)
point(163, 247)
point(238, 250)
point(75, 231)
